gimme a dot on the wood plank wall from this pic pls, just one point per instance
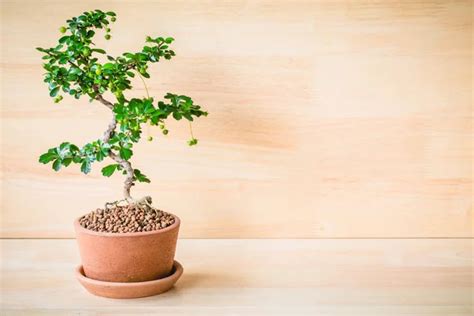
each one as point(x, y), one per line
point(327, 118)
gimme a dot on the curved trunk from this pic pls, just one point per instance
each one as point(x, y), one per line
point(126, 165)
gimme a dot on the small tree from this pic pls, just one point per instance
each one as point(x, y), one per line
point(73, 67)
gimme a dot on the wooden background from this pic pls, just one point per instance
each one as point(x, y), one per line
point(327, 118)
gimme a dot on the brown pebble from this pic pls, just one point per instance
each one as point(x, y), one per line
point(125, 219)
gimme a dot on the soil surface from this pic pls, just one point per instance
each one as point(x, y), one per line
point(126, 219)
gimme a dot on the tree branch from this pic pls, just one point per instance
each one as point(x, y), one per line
point(131, 66)
point(110, 130)
point(70, 62)
point(101, 99)
point(73, 64)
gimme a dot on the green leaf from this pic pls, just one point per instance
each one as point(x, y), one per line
point(114, 140)
point(67, 161)
point(47, 157)
point(98, 50)
point(125, 153)
point(108, 66)
point(140, 176)
point(177, 116)
point(63, 39)
point(99, 156)
point(169, 40)
point(75, 71)
point(73, 148)
point(107, 171)
point(149, 109)
point(54, 92)
point(64, 145)
point(111, 13)
point(57, 164)
point(86, 166)
point(105, 150)
point(188, 117)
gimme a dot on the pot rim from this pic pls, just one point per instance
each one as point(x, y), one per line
point(81, 229)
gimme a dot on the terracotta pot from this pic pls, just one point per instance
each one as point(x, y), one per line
point(127, 257)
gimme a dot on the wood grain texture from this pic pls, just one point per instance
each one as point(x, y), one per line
point(259, 277)
point(327, 118)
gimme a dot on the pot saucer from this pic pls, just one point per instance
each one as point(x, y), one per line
point(129, 289)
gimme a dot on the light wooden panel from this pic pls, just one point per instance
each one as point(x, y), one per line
point(327, 118)
point(259, 277)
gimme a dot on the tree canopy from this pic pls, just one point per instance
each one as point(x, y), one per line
point(77, 67)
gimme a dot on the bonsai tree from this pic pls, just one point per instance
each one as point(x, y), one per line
point(77, 67)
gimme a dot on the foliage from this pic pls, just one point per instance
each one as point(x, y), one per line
point(77, 67)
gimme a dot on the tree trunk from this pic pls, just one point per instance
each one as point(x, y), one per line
point(126, 165)
point(129, 180)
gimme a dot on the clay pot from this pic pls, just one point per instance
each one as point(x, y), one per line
point(127, 257)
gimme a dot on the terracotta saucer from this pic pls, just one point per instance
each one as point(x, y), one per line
point(129, 289)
